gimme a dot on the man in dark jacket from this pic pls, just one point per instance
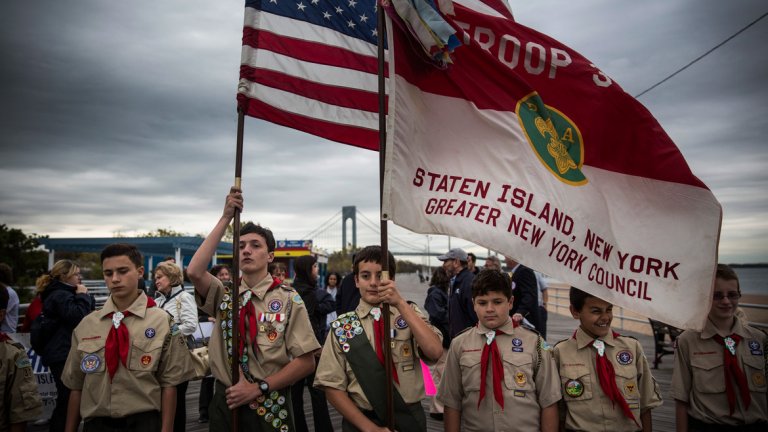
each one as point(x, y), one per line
point(348, 296)
point(461, 313)
point(526, 292)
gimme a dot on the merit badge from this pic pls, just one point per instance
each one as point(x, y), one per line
point(335, 324)
point(150, 333)
point(272, 335)
point(261, 399)
point(517, 342)
point(574, 388)
point(358, 330)
point(253, 405)
point(90, 363)
point(406, 350)
point(261, 411)
point(283, 414)
point(146, 360)
point(281, 400)
point(284, 428)
point(275, 305)
point(276, 423)
point(345, 347)
point(624, 357)
point(275, 409)
point(630, 388)
point(269, 417)
point(297, 299)
point(400, 322)
point(268, 403)
point(520, 378)
point(758, 379)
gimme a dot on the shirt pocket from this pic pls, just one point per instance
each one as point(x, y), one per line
point(708, 374)
point(518, 371)
point(91, 357)
point(576, 384)
point(470, 371)
point(627, 382)
point(145, 354)
point(755, 373)
point(402, 351)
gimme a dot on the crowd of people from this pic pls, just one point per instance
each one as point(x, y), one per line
point(126, 366)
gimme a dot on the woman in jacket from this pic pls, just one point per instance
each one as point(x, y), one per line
point(65, 299)
point(180, 304)
point(305, 283)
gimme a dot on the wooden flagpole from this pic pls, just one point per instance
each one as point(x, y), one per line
point(381, 31)
point(236, 265)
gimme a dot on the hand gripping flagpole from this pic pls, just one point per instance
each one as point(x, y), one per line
point(381, 32)
point(236, 265)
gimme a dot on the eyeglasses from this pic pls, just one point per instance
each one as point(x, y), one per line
point(732, 295)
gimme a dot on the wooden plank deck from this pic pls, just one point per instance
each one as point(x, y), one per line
point(558, 327)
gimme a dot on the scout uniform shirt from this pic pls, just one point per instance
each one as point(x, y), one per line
point(157, 357)
point(587, 406)
point(283, 333)
point(20, 401)
point(334, 371)
point(699, 377)
point(530, 380)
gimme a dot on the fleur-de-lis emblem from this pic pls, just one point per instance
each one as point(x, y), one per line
point(555, 147)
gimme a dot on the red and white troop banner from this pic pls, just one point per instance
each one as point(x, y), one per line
point(523, 146)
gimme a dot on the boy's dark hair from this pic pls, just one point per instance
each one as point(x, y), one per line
point(6, 274)
point(252, 228)
point(725, 272)
point(578, 298)
point(120, 249)
point(3, 296)
point(490, 280)
point(373, 254)
point(474, 257)
point(440, 279)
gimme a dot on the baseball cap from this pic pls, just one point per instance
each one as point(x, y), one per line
point(456, 253)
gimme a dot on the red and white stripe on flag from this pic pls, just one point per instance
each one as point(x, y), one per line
point(526, 148)
point(312, 66)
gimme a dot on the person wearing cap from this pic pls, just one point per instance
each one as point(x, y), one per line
point(460, 310)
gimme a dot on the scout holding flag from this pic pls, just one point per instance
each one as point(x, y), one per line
point(498, 375)
point(605, 377)
point(276, 343)
point(126, 358)
point(351, 365)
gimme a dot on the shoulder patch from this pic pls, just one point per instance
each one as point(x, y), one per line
point(297, 299)
point(23, 362)
point(415, 307)
point(544, 345)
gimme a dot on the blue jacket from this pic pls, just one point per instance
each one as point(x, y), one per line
point(460, 311)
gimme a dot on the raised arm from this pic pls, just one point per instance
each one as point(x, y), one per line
point(198, 266)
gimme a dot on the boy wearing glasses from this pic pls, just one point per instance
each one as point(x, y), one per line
point(719, 380)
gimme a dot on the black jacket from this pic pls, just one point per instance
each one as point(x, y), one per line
point(436, 305)
point(347, 296)
point(526, 294)
point(460, 309)
point(60, 302)
point(305, 286)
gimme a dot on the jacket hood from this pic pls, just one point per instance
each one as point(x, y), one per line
point(55, 286)
point(303, 268)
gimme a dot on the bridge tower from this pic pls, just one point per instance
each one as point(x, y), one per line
point(348, 212)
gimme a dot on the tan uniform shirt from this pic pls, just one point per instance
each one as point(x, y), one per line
point(699, 378)
point(20, 401)
point(334, 371)
point(587, 406)
point(158, 357)
point(285, 333)
point(530, 380)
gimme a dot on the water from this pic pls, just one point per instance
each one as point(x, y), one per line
point(753, 280)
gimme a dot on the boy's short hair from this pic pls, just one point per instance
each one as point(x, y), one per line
point(373, 254)
point(725, 272)
point(578, 297)
point(252, 228)
point(490, 280)
point(474, 257)
point(3, 296)
point(120, 249)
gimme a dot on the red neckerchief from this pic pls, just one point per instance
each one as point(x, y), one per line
point(606, 374)
point(733, 373)
point(248, 313)
point(378, 334)
point(119, 342)
point(4, 337)
point(491, 350)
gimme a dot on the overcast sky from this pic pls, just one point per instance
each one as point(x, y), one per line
point(119, 117)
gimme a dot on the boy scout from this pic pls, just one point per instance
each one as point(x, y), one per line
point(276, 339)
point(607, 384)
point(518, 390)
point(719, 378)
point(351, 368)
point(20, 401)
point(126, 358)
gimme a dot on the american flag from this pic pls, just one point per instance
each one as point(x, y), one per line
point(311, 65)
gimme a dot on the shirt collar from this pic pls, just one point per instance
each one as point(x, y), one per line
point(363, 309)
point(260, 289)
point(710, 330)
point(583, 339)
point(507, 328)
point(138, 307)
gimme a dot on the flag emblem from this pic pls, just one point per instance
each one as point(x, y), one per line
point(554, 138)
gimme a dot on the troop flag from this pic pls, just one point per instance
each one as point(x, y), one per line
point(520, 144)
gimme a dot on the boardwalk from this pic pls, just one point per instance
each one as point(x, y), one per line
point(559, 327)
